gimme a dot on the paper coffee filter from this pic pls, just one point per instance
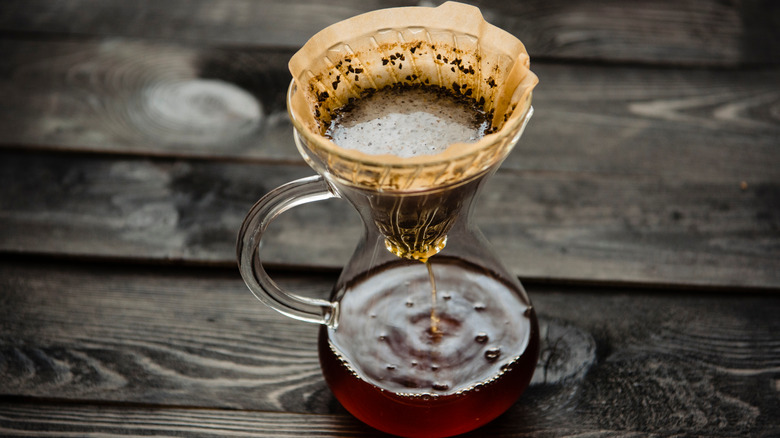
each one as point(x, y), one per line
point(450, 46)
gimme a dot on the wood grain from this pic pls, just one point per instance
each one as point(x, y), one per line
point(552, 226)
point(155, 98)
point(134, 348)
point(25, 419)
point(137, 209)
point(124, 96)
point(692, 32)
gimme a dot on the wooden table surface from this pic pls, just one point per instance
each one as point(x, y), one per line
point(641, 210)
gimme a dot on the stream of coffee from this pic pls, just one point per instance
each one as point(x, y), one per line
point(434, 317)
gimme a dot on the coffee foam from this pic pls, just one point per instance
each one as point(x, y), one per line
point(406, 123)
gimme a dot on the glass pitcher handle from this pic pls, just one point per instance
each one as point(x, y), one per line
point(276, 202)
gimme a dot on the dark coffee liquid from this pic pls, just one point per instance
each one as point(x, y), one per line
point(390, 369)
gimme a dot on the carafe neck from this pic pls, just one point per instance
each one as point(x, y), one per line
point(414, 224)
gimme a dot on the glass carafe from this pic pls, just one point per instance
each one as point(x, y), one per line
point(425, 333)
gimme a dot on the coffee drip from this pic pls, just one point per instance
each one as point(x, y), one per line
point(425, 333)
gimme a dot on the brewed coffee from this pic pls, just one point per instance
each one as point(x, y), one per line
point(387, 367)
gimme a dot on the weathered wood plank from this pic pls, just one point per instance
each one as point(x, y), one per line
point(137, 208)
point(68, 420)
point(146, 98)
point(613, 362)
point(558, 226)
point(27, 419)
point(151, 98)
point(664, 32)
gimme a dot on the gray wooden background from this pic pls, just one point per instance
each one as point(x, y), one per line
point(641, 209)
